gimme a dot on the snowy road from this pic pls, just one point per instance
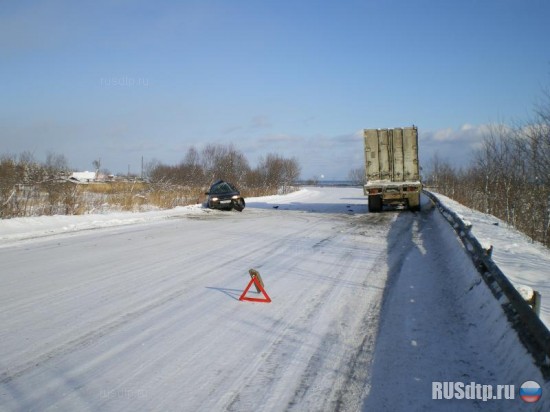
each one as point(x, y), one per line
point(146, 316)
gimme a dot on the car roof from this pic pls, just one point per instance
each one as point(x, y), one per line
point(227, 186)
point(220, 181)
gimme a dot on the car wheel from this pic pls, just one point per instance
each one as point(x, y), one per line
point(238, 205)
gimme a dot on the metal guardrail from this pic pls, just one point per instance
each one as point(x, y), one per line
point(534, 335)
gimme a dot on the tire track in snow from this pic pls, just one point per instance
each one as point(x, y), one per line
point(86, 339)
point(331, 355)
point(201, 349)
point(132, 311)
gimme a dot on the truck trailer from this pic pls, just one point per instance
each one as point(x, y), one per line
point(391, 167)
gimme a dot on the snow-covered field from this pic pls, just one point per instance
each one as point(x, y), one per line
point(140, 311)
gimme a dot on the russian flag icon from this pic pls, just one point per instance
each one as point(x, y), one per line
point(530, 391)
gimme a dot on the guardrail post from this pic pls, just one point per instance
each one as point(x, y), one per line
point(537, 301)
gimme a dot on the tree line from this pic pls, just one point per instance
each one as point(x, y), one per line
point(32, 188)
point(29, 187)
point(201, 168)
point(509, 176)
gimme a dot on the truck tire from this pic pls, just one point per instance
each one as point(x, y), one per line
point(375, 204)
point(415, 206)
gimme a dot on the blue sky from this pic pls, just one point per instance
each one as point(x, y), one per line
point(122, 79)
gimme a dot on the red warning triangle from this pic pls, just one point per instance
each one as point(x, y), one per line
point(256, 282)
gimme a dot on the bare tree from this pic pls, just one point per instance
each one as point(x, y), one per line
point(508, 177)
point(56, 163)
point(357, 176)
point(224, 162)
point(291, 172)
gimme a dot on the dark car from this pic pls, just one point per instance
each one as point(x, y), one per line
point(223, 195)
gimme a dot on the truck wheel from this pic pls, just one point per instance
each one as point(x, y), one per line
point(415, 207)
point(375, 204)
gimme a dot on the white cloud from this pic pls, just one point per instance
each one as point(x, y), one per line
point(120, 143)
point(455, 146)
point(444, 135)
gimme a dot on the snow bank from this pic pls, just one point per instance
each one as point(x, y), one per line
point(34, 227)
point(22, 228)
point(441, 323)
point(523, 261)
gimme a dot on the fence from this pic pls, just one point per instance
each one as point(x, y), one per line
point(532, 332)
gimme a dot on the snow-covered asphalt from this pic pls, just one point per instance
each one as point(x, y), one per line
point(146, 316)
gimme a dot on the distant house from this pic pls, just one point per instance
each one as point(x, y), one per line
point(83, 177)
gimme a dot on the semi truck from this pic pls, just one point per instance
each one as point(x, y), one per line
point(391, 167)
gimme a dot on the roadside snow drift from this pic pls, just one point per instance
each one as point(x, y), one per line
point(524, 262)
point(440, 323)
